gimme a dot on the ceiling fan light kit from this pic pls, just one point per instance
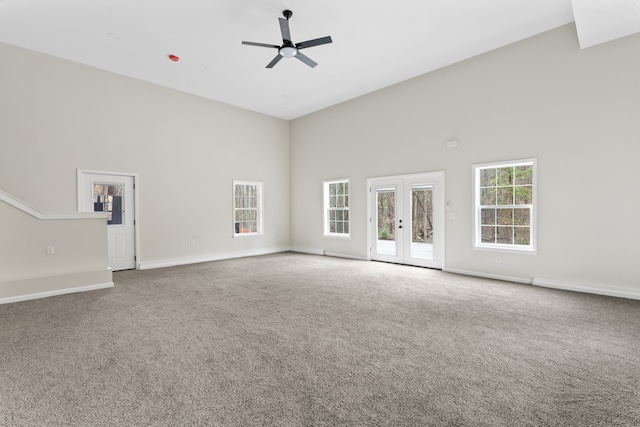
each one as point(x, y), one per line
point(288, 49)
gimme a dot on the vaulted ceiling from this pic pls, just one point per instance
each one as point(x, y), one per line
point(376, 43)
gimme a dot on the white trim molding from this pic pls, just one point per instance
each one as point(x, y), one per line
point(489, 276)
point(66, 284)
point(555, 284)
point(321, 252)
point(346, 256)
point(308, 251)
point(590, 289)
point(147, 265)
point(19, 204)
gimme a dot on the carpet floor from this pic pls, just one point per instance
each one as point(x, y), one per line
point(301, 340)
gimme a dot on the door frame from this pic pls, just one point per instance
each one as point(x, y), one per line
point(439, 209)
point(136, 202)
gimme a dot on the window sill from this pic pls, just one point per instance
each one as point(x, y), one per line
point(248, 234)
point(338, 236)
point(503, 249)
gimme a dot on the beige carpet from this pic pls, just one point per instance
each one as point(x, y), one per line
point(300, 340)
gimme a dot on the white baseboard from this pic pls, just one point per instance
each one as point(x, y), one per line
point(489, 276)
point(554, 284)
point(147, 265)
point(309, 251)
point(43, 287)
point(337, 255)
point(590, 289)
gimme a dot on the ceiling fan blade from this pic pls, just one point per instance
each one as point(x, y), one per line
point(274, 61)
point(310, 62)
point(314, 42)
point(284, 29)
point(261, 44)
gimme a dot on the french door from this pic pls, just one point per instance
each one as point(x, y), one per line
point(406, 217)
point(112, 193)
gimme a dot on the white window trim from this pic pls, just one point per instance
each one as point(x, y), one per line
point(325, 209)
point(531, 249)
point(260, 225)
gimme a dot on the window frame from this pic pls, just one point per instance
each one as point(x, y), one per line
point(326, 208)
point(259, 208)
point(477, 209)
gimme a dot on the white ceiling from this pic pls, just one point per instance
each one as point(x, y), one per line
point(599, 21)
point(375, 43)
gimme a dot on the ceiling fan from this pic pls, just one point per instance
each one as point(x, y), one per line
point(288, 48)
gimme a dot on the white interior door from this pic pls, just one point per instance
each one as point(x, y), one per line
point(407, 220)
point(112, 194)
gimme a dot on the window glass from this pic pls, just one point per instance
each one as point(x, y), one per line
point(108, 198)
point(247, 207)
point(504, 204)
point(336, 207)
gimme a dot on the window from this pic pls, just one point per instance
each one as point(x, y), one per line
point(108, 198)
point(336, 208)
point(505, 199)
point(247, 208)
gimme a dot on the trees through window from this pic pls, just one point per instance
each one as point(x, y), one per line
point(247, 208)
point(336, 208)
point(504, 204)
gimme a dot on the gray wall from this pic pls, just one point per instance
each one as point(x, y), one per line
point(80, 246)
point(57, 116)
point(576, 111)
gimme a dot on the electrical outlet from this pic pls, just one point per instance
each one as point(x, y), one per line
point(50, 250)
point(498, 260)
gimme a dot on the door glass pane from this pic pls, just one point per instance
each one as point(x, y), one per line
point(422, 222)
point(386, 217)
point(108, 198)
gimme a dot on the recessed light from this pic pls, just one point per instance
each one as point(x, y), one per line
point(113, 36)
point(207, 68)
